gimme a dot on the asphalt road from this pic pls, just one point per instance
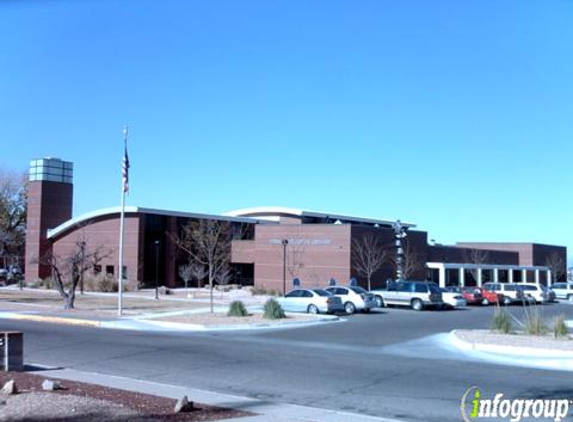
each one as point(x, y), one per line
point(385, 363)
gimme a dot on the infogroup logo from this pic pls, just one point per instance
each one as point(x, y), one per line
point(475, 407)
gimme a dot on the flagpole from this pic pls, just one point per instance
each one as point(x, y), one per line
point(121, 220)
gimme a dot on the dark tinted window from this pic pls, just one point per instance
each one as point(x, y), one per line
point(358, 289)
point(510, 288)
point(341, 291)
point(404, 287)
point(321, 292)
point(294, 293)
point(306, 293)
point(420, 288)
point(434, 288)
point(559, 286)
point(529, 287)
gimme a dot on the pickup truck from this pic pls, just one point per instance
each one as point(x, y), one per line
point(415, 294)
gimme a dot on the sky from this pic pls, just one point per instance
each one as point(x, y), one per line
point(455, 116)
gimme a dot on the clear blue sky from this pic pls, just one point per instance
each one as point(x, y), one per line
point(457, 116)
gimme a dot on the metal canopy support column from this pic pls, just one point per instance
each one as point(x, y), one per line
point(524, 275)
point(510, 275)
point(549, 278)
point(536, 276)
point(479, 280)
point(496, 275)
point(462, 276)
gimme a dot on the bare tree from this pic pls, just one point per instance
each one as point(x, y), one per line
point(556, 264)
point(295, 257)
point(13, 199)
point(68, 270)
point(208, 243)
point(476, 257)
point(368, 256)
point(186, 273)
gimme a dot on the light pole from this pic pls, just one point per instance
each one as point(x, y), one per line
point(157, 245)
point(399, 234)
point(284, 243)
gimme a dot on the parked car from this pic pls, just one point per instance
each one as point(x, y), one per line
point(354, 298)
point(536, 292)
point(313, 301)
point(416, 294)
point(563, 290)
point(550, 293)
point(452, 299)
point(472, 295)
point(488, 297)
point(512, 293)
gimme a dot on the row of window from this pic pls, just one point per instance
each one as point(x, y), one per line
point(109, 270)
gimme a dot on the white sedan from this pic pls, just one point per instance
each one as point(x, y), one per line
point(313, 301)
point(453, 299)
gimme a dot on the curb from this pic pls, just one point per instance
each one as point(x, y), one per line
point(143, 324)
point(514, 351)
point(52, 319)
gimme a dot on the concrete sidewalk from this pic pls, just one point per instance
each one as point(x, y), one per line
point(266, 411)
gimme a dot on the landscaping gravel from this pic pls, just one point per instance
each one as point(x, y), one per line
point(87, 402)
point(515, 340)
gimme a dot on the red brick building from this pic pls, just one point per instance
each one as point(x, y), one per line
point(276, 244)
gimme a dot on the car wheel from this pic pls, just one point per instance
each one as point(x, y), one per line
point(379, 301)
point(507, 301)
point(349, 308)
point(312, 309)
point(485, 302)
point(417, 305)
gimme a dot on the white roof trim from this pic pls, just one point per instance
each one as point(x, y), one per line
point(451, 265)
point(275, 212)
point(104, 212)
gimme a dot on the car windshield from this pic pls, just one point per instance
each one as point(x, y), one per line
point(321, 292)
point(358, 289)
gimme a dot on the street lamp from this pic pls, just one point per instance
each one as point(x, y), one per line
point(284, 243)
point(399, 234)
point(157, 245)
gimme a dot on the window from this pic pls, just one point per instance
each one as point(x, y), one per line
point(510, 288)
point(294, 293)
point(305, 293)
point(420, 288)
point(404, 287)
point(97, 269)
point(340, 291)
point(319, 292)
point(124, 272)
point(109, 269)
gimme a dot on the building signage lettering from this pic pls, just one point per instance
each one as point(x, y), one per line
point(311, 242)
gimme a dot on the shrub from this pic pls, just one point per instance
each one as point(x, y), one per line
point(237, 308)
point(257, 291)
point(273, 310)
point(101, 283)
point(533, 322)
point(501, 321)
point(560, 329)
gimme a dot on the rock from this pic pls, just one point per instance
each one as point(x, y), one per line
point(9, 388)
point(51, 385)
point(183, 405)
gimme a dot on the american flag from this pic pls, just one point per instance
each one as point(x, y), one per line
point(125, 171)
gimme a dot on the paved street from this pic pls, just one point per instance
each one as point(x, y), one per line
point(385, 363)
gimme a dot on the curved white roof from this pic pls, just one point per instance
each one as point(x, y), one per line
point(274, 213)
point(108, 212)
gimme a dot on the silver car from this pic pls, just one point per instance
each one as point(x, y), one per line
point(563, 290)
point(313, 301)
point(354, 298)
